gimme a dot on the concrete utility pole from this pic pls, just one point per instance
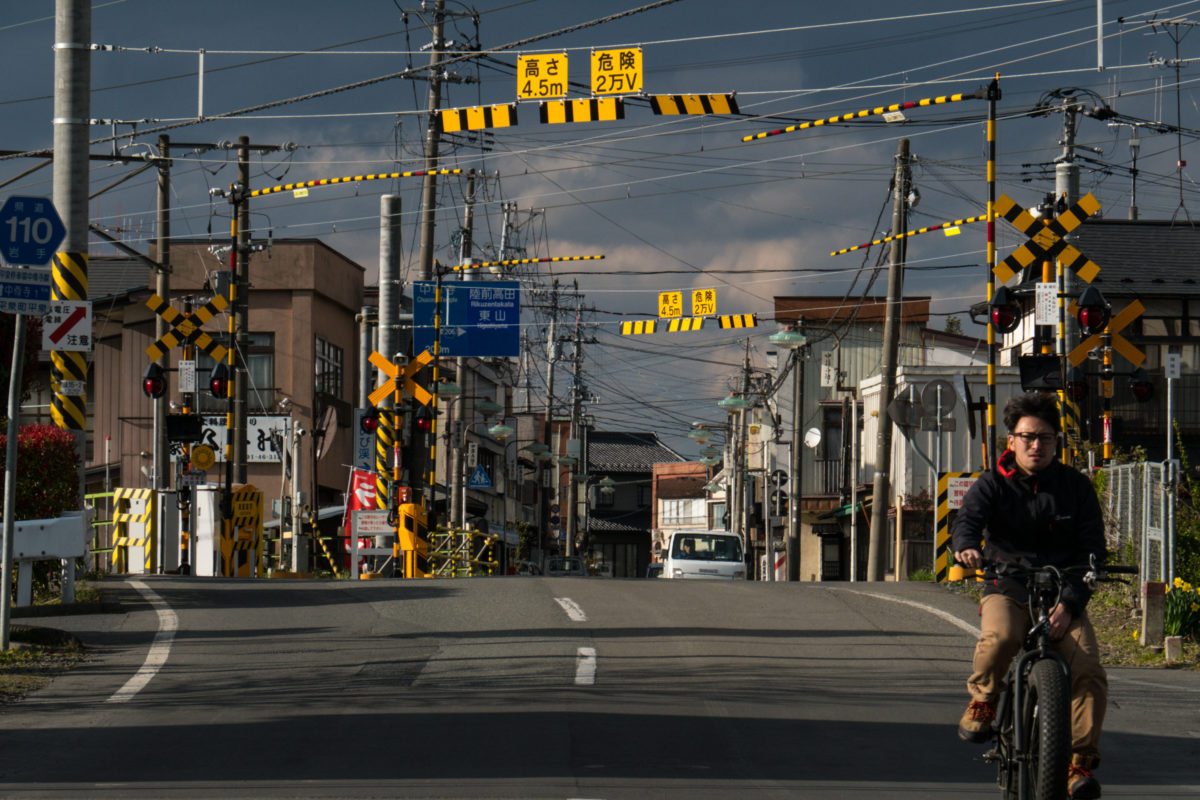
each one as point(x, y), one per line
point(458, 489)
point(795, 472)
point(241, 342)
point(569, 506)
point(72, 110)
point(737, 433)
point(389, 430)
point(547, 424)
point(433, 134)
point(1066, 187)
point(877, 553)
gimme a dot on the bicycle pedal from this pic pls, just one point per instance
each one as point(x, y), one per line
point(992, 756)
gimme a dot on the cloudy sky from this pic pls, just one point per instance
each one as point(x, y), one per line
point(673, 203)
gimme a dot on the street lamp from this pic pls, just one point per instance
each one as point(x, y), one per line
point(733, 404)
point(456, 469)
point(500, 431)
point(736, 405)
point(540, 454)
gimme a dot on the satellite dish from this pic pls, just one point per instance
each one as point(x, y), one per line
point(812, 438)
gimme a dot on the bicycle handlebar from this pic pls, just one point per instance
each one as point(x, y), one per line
point(993, 569)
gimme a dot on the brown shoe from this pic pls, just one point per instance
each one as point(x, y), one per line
point(976, 723)
point(1081, 784)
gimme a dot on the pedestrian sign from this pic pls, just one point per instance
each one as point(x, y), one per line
point(479, 479)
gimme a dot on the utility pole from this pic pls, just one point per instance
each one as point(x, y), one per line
point(1066, 189)
point(241, 309)
point(547, 424)
point(72, 110)
point(458, 488)
point(738, 429)
point(797, 458)
point(877, 552)
point(433, 134)
point(569, 506)
point(388, 431)
point(162, 287)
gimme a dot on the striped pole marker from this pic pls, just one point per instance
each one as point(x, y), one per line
point(69, 281)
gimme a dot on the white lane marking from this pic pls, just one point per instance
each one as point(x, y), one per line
point(160, 648)
point(572, 608)
point(585, 666)
point(937, 612)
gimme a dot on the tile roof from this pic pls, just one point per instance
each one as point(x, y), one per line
point(1142, 257)
point(621, 451)
point(620, 522)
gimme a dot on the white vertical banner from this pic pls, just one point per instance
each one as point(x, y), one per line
point(1046, 304)
point(187, 376)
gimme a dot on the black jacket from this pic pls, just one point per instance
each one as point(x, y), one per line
point(1051, 517)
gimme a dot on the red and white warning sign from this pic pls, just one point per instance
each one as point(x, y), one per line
point(68, 326)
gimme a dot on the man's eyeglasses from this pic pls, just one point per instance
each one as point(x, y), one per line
point(1030, 438)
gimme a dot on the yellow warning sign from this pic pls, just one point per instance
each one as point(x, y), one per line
point(670, 304)
point(704, 302)
point(617, 71)
point(203, 457)
point(542, 76)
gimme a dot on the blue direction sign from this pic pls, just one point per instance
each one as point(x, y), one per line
point(25, 291)
point(479, 318)
point(30, 230)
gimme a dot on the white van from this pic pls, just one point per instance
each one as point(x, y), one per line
point(699, 555)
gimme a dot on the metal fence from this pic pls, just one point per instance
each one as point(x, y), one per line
point(1139, 511)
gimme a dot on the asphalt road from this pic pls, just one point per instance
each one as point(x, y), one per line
point(542, 687)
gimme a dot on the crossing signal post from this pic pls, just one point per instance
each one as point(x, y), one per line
point(1004, 311)
point(154, 381)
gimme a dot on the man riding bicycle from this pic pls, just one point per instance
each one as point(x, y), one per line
point(1034, 510)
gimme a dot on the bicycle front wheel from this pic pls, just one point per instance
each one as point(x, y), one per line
point(1047, 725)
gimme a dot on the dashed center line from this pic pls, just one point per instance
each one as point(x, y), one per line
point(572, 608)
point(585, 666)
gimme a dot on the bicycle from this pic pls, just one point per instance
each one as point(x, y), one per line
point(1032, 728)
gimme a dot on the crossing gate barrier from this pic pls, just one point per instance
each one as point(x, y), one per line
point(133, 519)
point(412, 548)
point(242, 536)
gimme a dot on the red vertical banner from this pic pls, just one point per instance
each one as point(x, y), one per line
point(361, 497)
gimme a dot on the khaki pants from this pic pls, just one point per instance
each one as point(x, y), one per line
point(1003, 622)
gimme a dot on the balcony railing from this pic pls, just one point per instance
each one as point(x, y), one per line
point(828, 477)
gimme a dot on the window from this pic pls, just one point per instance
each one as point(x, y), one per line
point(260, 372)
point(686, 511)
point(643, 496)
point(329, 368)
